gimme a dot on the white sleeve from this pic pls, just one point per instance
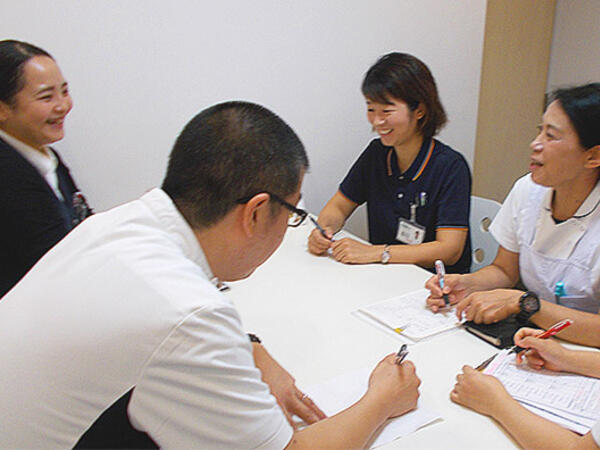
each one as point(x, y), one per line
point(201, 389)
point(596, 433)
point(505, 225)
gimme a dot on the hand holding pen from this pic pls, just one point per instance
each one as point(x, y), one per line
point(401, 354)
point(440, 270)
point(544, 353)
point(544, 334)
point(321, 230)
point(320, 239)
point(530, 338)
point(459, 287)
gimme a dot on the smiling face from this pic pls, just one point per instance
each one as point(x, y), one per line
point(37, 112)
point(395, 123)
point(558, 157)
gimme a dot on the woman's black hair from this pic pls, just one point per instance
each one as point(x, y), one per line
point(404, 77)
point(13, 57)
point(582, 105)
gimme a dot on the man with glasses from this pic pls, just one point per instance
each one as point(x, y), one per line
point(296, 216)
point(122, 321)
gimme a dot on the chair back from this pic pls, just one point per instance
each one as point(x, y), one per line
point(483, 244)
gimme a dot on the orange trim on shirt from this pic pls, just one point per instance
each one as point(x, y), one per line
point(452, 228)
point(389, 162)
point(422, 168)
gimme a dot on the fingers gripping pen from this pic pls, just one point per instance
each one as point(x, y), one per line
point(441, 272)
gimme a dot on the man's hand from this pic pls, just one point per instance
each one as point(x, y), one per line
point(350, 251)
point(489, 306)
point(482, 393)
point(283, 387)
point(396, 387)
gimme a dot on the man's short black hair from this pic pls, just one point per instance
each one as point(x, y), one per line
point(230, 151)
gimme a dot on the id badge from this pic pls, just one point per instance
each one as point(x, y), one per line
point(410, 232)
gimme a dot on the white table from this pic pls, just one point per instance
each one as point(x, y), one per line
point(300, 305)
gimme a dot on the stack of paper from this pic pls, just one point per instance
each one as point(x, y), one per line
point(572, 401)
point(343, 391)
point(408, 314)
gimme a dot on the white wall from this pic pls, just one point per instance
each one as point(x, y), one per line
point(140, 69)
point(575, 57)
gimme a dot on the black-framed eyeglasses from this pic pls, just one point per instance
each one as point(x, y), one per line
point(297, 215)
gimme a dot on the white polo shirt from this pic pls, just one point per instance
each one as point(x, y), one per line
point(125, 301)
point(596, 433)
point(551, 253)
point(551, 239)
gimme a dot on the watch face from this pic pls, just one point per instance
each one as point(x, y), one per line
point(385, 257)
point(530, 303)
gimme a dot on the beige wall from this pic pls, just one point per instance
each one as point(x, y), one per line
point(575, 56)
point(516, 54)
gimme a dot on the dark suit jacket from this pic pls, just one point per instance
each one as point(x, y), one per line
point(32, 217)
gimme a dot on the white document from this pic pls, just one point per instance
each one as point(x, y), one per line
point(408, 314)
point(568, 399)
point(341, 392)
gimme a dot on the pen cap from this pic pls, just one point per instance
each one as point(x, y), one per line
point(439, 268)
point(559, 289)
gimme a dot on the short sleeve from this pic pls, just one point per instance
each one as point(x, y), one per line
point(505, 225)
point(355, 186)
point(596, 433)
point(455, 197)
point(202, 390)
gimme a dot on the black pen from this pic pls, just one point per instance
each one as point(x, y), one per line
point(401, 354)
point(323, 233)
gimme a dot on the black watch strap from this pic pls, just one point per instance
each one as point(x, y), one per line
point(529, 304)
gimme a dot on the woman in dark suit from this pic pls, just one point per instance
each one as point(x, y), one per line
point(39, 201)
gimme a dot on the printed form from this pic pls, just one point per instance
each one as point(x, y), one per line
point(567, 396)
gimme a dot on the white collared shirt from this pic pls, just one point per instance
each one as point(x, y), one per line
point(126, 300)
point(45, 162)
point(552, 239)
point(559, 239)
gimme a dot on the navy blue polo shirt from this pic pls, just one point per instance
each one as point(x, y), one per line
point(442, 173)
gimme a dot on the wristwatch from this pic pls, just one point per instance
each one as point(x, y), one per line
point(529, 304)
point(385, 255)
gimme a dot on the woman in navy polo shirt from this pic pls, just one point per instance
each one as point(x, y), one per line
point(417, 189)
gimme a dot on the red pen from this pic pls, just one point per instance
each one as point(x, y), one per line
point(546, 334)
point(516, 349)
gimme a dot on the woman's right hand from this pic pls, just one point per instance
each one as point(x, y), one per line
point(454, 285)
point(317, 243)
point(546, 353)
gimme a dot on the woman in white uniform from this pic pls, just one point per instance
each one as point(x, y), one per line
point(548, 230)
point(486, 395)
